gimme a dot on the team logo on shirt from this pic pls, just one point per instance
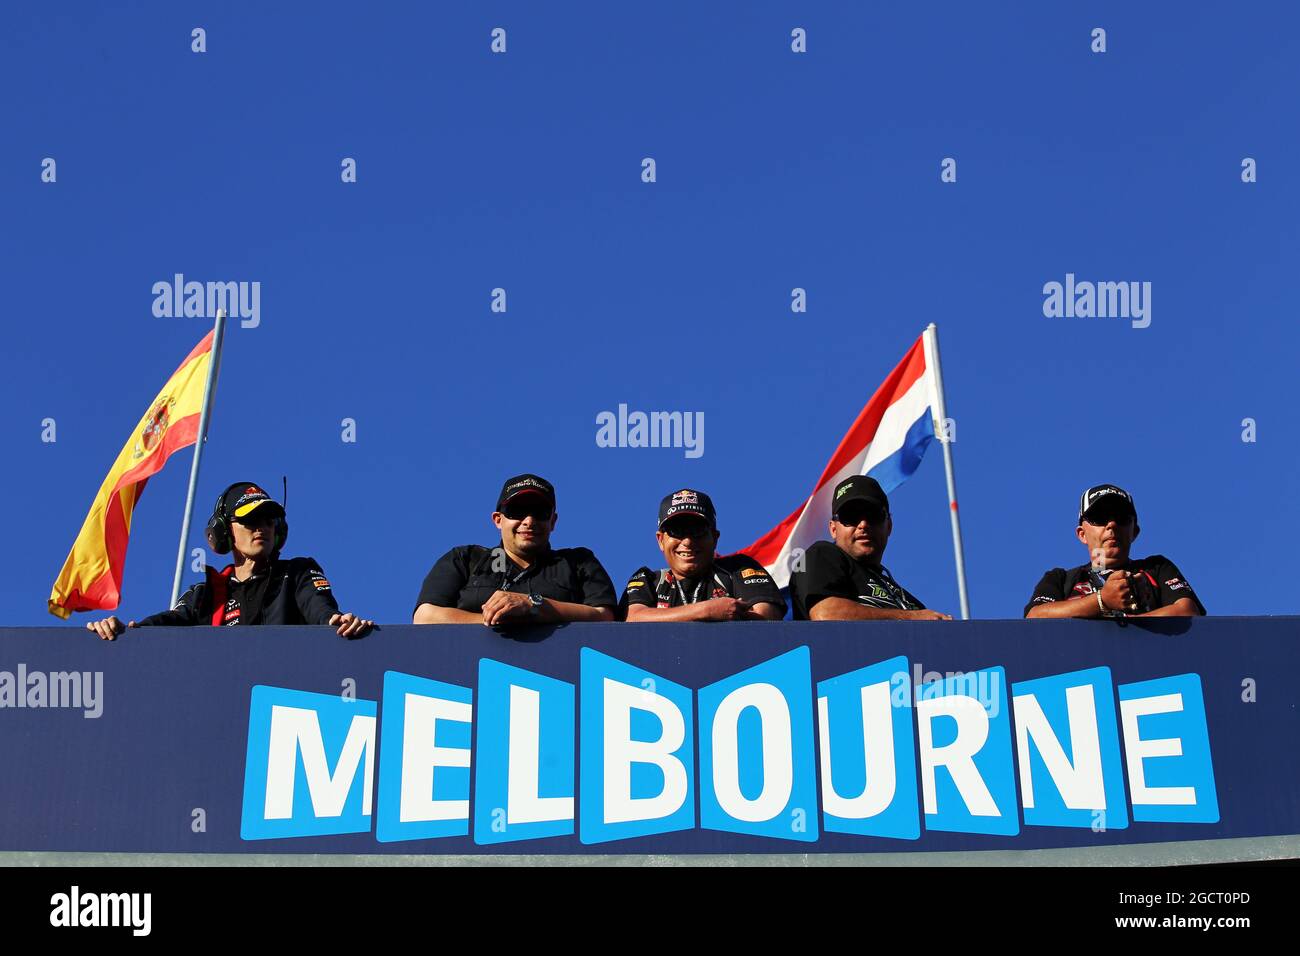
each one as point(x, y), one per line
point(750, 572)
point(1176, 584)
point(232, 613)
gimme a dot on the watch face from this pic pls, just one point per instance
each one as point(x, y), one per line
point(536, 599)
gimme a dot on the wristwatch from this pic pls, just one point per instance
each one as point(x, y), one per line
point(1105, 611)
point(536, 600)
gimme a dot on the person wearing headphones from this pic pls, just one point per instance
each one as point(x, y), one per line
point(259, 587)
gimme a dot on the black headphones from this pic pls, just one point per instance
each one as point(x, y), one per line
point(218, 530)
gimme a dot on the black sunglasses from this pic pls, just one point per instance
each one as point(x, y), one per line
point(520, 512)
point(256, 520)
point(1103, 518)
point(853, 516)
point(686, 529)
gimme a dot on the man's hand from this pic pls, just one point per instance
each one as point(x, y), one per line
point(349, 625)
point(1116, 593)
point(108, 628)
point(927, 615)
point(842, 609)
point(506, 606)
point(724, 609)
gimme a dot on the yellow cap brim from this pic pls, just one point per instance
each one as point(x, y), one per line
point(248, 509)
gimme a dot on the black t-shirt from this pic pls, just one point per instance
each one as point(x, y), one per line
point(290, 591)
point(466, 576)
point(1158, 584)
point(829, 572)
point(736, 575)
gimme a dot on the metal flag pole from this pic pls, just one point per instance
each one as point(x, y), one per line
point(205, 413)
point(940, 430)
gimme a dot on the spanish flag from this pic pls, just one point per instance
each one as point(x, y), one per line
point(91, 578)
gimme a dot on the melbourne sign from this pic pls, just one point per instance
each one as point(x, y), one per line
point(624, 745)
point(748, 737)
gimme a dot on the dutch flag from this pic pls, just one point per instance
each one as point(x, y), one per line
point(886, 441)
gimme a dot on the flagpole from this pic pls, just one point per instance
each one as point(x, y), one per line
point(205, 413)
point(940, 417)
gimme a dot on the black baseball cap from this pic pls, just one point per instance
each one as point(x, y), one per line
point(242, 499)
point(687, 502)
point(1110, 494)
point(525, 485)
point(859, 488)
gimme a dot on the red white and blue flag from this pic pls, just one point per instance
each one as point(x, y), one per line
point(886, 441)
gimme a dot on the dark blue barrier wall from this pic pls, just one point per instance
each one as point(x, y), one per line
point(162, 768)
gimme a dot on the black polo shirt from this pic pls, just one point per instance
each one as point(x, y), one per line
point(736, 575)
point(829, 572)
point(1159, 583)
point(466, 576)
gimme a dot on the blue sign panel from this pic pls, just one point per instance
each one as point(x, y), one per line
point(638, 765)
point(524, 759)
point(868, 752)
point(1067, 745)
point(756, 751)
point(650, 738)
point(424, 760)
point(309, 768)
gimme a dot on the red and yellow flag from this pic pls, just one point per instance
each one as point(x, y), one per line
point(91, 578)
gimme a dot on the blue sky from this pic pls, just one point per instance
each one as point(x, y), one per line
point(775, 170)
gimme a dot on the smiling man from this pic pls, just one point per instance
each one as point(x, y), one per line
point(523, 580)
point(1113, 584)
point(258, 587)
point(697, 585)
point(844, 579)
